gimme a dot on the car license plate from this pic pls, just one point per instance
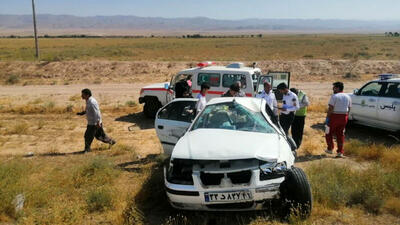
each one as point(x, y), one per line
point(227, 196)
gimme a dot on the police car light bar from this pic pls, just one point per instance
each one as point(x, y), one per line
point(388, 76)
point(204, 64)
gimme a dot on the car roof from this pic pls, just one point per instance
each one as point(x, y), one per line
point(396, 80)
point(251, 103)
point(220, 68)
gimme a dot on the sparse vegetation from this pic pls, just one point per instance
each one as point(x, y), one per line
point(340, 185)
point(195, 49)
point(124, 184)
point(131, 103)
point(12, 79)
point(99, 200)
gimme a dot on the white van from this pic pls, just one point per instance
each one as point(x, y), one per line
point(220, 78)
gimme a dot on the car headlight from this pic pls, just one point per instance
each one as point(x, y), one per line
point(272, 170)
point(180, 172)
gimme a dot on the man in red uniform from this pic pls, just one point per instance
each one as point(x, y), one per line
point(336, 118)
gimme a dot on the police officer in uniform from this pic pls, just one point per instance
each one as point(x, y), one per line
point(299, 116)
point(289, 107)
point(269, 96)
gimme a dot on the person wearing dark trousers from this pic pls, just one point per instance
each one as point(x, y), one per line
point(289, 107)
point(94, 127)
point(299, 116)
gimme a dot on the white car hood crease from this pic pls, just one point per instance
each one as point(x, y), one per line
point(221, 144)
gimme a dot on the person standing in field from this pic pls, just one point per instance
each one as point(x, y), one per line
point(94, 127)
point(289, 107)
point(299, 116)
point(336, 118)
point(201, 104)
point(269, 96)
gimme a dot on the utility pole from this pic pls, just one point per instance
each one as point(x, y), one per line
point(35, 31)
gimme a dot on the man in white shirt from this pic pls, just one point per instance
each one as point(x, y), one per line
point(201, 104)
point(94, 123)
point(337, 117)
point(269, 96)
point(289, 107)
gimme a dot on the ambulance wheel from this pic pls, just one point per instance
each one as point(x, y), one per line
point(296, 194)
point(151, 107)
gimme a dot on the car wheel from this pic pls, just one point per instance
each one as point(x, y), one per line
point(151, 107)
point(296, 194)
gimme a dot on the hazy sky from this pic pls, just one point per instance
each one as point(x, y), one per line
point(220, 9)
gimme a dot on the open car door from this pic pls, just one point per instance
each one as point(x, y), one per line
point(277, 78)
point(173, 120)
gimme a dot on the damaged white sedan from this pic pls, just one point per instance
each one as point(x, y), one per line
point(233, 156)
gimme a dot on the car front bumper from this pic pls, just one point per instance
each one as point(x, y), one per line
point(192, 197)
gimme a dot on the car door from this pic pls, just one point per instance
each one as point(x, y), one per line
point(389, 107)
point(279, 77)
point(365, 102)
point(172, 121)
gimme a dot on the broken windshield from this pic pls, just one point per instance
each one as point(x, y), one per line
point(232, 116)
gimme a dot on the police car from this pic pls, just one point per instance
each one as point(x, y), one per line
point(377, 103)
point(219, 78)
point(216, 166)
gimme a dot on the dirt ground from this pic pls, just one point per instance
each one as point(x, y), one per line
point(60, 133)
point(63, 133)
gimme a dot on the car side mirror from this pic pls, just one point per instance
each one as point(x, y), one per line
point(355, 91)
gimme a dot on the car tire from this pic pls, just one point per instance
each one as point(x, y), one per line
point(151, 107)
point(296, 194)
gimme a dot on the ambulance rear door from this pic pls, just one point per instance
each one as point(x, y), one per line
point(277, 78)
point(261, 80)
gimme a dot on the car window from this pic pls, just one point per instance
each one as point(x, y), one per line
point(232, 116)
point(178, 78)
point(371, 89)
point(261, 82)
point(229, 79)
point(392, 90)
point(179, 111)
point(211, 78)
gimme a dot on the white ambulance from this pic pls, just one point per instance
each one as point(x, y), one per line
point(377, 103)
point(220, 78)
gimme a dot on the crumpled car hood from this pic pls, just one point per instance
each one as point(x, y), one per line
point(221, 144)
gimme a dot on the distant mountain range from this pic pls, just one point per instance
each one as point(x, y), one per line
point(134, 24)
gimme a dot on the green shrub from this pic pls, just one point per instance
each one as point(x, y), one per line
point(99, 200)
point(98, 171)
point(12, 79)
point(131, 103)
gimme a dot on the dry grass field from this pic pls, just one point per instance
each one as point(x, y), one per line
point(41, 137)
point(123, 184)
point(269, 47)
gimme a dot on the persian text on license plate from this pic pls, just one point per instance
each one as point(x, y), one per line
point(227, 196)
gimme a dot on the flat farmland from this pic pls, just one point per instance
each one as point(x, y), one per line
point(267, 47)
